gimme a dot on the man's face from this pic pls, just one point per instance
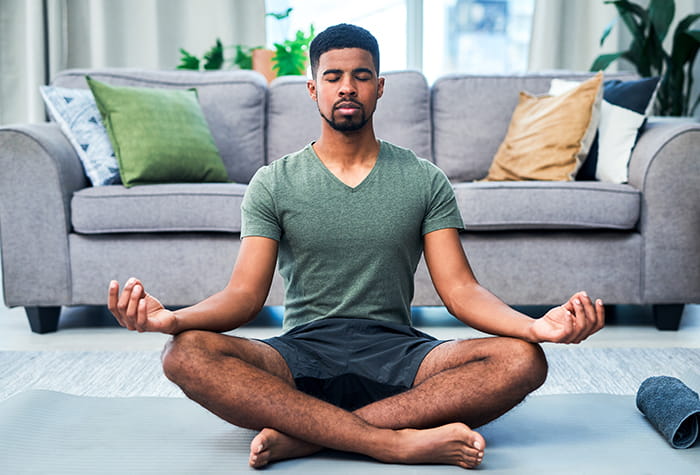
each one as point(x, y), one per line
point(346, 88)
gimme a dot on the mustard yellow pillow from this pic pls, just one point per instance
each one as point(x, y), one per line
point(549, 136)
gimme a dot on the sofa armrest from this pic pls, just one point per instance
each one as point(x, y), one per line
point(40, 172)
point(665, 166)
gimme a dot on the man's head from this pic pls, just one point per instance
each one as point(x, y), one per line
point(345, 84)
point(339, 37)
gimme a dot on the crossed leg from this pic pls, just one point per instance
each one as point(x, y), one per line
point(467, 382)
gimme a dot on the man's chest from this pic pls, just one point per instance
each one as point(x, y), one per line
point(328, 219)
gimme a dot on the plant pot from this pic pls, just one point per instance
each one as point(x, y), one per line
point(262, 63)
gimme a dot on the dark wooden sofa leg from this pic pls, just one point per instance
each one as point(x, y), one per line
point(43, 319)
point(667, 316)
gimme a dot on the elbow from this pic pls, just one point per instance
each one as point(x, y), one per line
point(459, 298)
point(454, 300)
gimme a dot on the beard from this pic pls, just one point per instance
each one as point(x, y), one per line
point(346, 123)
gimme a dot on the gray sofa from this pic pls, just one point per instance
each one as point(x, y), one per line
point(531, 243)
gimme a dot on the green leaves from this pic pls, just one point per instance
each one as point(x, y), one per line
point(280, 15)
point(244, 57)
point(604, 60)
point(214, 58)
point(661, 13)
point(291, 55)
point(649, 27)
point(187, 61)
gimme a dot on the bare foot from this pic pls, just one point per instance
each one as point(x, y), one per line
point(270, 445)
point(451, 444)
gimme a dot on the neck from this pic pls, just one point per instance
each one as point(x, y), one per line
point(347, 148)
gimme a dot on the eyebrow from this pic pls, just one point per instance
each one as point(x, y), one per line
point(354, 71)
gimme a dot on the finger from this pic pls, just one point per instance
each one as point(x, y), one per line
point(590, 310)
point(569, 305)
point(587, 319)
point(112, 298)
point(141, 317)
point(572, 325)
point(580, 322)
point(600, 314)
point(125, 297)
point(133, 306)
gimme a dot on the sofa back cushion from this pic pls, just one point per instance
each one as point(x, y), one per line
point(471, 114)
point(402, 116)
point(233, 103)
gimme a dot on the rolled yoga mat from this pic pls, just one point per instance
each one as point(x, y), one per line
point(672, 408)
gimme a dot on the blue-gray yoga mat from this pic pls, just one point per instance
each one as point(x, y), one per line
point(45, 432)
point(672, 408)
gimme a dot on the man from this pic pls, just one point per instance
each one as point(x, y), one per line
point(348, 217)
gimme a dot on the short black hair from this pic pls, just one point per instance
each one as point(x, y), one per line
point(342, 36)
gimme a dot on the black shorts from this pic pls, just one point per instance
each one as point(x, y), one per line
point(352, 362)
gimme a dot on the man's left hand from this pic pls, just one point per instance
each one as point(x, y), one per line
point(572, 322)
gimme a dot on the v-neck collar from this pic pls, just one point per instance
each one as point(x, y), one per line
point(340, 182)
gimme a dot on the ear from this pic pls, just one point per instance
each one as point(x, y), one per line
point(311, 87)
point(380, 87)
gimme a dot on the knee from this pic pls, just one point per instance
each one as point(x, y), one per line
point(531, 363)
point(181, 354)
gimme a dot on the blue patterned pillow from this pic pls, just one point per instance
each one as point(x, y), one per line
point(77, 115)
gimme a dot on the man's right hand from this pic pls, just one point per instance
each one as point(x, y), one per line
point(137, 310)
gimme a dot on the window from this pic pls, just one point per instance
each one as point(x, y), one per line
point(386, 19)
point(476, 36)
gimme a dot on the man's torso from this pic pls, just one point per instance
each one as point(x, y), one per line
point(344, 251)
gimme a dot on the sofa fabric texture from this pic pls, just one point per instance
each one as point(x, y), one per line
point(186, 207)
point(491, 206)
point(531, 243)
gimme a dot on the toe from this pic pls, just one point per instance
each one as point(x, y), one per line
point(258, 451)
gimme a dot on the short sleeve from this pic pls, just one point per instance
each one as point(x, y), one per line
point(258, 216)
point(442, 211)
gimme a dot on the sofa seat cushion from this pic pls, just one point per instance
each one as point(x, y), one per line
point(213, 207)
point(495, 206)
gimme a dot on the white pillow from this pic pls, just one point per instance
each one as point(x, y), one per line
point(76, 113)
point(618, 127)
point(617, 134)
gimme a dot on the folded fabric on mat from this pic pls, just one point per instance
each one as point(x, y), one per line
point(672, 408)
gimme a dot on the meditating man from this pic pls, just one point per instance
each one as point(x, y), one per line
point(348, 218)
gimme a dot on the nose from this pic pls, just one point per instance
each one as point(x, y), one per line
point(347, 87)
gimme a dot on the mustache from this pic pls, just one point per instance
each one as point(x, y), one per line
point(347, 102)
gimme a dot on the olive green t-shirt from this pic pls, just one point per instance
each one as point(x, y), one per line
point(343, 251)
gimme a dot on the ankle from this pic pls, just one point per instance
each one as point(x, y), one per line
point(399, 446)
point(390, 446)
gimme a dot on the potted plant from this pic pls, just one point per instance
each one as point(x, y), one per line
point(290, 57)
point(649, 27)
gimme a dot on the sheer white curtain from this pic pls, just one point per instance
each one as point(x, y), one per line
point(41, 37)
point(566, 33)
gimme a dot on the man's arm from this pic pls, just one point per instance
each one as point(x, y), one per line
point(237, 304)
point(471, 303)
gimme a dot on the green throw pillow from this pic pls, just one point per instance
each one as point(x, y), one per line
point(158, 135)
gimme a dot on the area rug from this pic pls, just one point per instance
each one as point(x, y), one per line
point(47, 432)
point(572, 369)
